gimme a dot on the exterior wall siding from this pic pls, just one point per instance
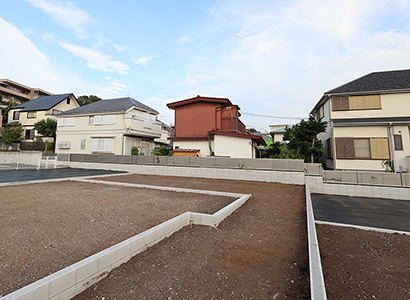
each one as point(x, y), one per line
point(195, 120)
point(202, 145)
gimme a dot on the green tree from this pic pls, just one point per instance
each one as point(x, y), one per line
point(84, 100)
point(6, 111)
point(12, 134)
point(161, 151)
point(302, 137)
point(273, 150)
point(46, 127)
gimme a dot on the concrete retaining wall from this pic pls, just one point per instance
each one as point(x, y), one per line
point(250, 175)
point(317, 282)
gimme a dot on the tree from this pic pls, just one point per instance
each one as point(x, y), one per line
point(12, 134)
point(134, 151)
point(302, 137)
point(46, 127)
point(84, 100)
point(273, 150)
point(161, 151)
point(6, 111)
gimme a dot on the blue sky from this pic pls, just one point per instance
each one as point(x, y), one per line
point(270, 57)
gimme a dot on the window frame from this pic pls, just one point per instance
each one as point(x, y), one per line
point(31, 114)
point(395, 144)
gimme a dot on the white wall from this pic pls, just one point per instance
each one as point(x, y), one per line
point(202, 145)
point(235, 147)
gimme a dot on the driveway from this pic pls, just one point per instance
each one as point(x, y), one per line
point(27, 175)
point(372, 212)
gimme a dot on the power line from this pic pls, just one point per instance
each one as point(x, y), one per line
point(271, 117)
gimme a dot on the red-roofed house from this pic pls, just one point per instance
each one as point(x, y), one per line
point(212, 125)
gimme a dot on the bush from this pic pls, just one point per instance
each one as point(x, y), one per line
point(134, 151)
point(12, 134)
point(161, 151)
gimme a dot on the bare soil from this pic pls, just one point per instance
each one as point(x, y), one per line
point(359, 264)
point(46, 227)
point(259, 252)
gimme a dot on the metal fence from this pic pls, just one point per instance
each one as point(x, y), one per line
point(199, 162)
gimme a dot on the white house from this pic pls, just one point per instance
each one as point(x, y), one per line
point(111, 126)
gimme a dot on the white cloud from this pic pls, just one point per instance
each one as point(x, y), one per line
point(119, 48)
point(113, 89)
point(183, 39)
point(143, 60)
point(66, 14)
point(25, 63)
point(95, 60)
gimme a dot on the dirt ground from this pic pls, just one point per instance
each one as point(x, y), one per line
point(259, 252)
point(359, 264)
point(46, 227)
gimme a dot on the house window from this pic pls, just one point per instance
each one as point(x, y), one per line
point(104, 120)
point(68, 100)
point(356, 102)
point(362, 148)
point(328, 148)
point(16, 115)
point(29, 134)
point(102, 145)
point(31, 115)
point(83, 143)
point(359, 148)
point(321, 112)
point(65, 122)
point(91, 121)
point(398, 142)
point(340, 103)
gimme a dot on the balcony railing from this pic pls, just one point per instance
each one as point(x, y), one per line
point(233, 124)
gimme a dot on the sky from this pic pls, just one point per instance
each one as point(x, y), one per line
point(270, 57)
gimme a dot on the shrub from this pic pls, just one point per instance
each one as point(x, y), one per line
point(134, 151)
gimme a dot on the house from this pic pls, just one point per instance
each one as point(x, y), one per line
point(277, 132)
point(111, 126)
point(209, 125)
point(46, 107)
point(11, 90)
point(368, 122)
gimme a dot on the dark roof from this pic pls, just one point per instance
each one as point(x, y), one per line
point(42, 103)
point(186, 150)
point(109, 105)
point(199, 98)
point(376, 81)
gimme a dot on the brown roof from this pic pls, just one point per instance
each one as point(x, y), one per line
point(186, 150)
point(199, 98)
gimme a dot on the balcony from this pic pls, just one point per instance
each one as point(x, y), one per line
point(138, 126)
point(233, 124)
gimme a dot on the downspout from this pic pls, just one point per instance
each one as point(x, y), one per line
point(390, 132)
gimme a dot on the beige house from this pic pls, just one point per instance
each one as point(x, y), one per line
point(277, 132)
point(368, 122)
point(46, 107)
point(111, 126)
point(11, 90)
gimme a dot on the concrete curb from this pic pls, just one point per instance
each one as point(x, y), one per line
point(317, 282)
point(74, 279)
point(382, 230)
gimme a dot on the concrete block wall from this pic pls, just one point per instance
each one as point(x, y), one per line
point(234, 174)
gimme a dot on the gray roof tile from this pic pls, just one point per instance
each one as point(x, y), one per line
point(42, 103)
point(376, 81)
point(109, 105)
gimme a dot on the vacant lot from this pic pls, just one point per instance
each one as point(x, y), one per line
point(46, 227)
point(259, 252)
point(359, 264)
